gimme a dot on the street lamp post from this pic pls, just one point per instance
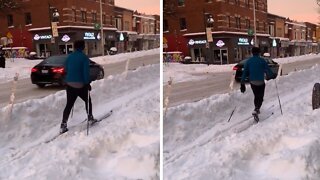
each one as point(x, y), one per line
point(101, 29)
point(208, 19)
point(54, 19)
point(254, 23)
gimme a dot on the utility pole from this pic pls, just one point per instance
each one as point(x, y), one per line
point(101, 29)
point(255, 23)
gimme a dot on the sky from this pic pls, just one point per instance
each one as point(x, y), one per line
point(142, 6)
point(300, 10)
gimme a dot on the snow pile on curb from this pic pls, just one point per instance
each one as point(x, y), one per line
point(199, 143)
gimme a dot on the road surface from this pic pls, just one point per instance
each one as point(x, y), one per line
point(217, 83)
point(26, 90)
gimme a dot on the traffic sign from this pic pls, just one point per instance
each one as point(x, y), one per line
point(96, 26)
point(250, 32)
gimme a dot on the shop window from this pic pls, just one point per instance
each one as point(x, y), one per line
point(10, 20)
point(183, 24)
point(181, 3)
point(27, 18)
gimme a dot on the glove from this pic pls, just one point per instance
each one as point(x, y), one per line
point(89, 87)
point(243, 88)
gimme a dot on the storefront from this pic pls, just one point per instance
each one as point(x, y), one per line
point(45, 45)
point(225, 48)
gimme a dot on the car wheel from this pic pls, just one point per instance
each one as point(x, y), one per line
point(316, 96)
point(41, 85)
point(100, 75)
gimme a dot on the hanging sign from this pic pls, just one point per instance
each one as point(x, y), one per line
point(65, 38)
point(220, 43)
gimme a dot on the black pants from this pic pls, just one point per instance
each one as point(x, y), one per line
point(72, 94)
point(258, 92)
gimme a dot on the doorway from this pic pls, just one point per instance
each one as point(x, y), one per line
point(220, 56)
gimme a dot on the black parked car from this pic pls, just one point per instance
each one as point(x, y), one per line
point(52, 71)
point(274, 66)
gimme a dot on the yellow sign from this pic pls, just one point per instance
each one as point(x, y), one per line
point(9, 35)
point(209, 35)
point(54, 26)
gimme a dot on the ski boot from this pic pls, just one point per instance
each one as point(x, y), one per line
point(92, 120)
point(63, 128)
point(255, 113)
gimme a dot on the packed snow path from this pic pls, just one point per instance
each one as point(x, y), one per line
point(199, 143)
point(123, 146)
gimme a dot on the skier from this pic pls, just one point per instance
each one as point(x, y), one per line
point(77, 82)
point(255, 68)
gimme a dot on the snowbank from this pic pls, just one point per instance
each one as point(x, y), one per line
point(123, 146)
point(199, 143)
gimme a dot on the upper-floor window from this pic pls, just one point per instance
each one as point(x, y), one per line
point(181, 3)
point(271, 30)
point(229, 21)
point(238, 22)
point(237, 2)
point(83, 16)
point(257, 26)
point(27, 18)
point(10, 20)
point(74, 15)
point(256, 5)
point(183, 23)
point(165, 25)
point(94, 17)
point(104, 19)
point(208, 1)
point(247, 4)
point(248, 25)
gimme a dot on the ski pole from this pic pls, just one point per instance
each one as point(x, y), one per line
point(88, 112)
point(278, 96)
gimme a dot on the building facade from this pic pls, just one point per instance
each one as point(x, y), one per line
point(186, 30)
point(279, 44)
point(51, 27)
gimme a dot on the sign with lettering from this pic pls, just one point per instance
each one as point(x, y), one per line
point(243, 41)
point(89, 35)
point(195, 42)
point(42, 37)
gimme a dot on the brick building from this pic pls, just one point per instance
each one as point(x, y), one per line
point(185, 25)
point(31, 25)
point(279, 43)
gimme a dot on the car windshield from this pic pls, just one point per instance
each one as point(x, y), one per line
point(55, 60)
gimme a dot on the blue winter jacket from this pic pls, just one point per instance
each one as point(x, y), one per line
point(77, 67)
point(255, 68)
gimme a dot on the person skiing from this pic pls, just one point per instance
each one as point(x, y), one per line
point(77, 82)
point(255, 68)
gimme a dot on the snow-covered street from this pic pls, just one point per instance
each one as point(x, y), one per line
point(124, 146)
point(200, 143)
